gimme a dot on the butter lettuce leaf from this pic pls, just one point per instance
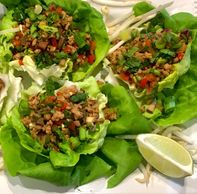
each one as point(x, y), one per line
point(5, 45)
point(185, 93)
point(125, 157)
point(130, 120)
point(182, 82)
point(180, 68)
point(33, 165)
point(86, 19)
point(90, 143)
point(10, 95)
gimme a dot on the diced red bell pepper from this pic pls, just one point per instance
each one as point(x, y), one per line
point(148, 42)
point(124, 76)
point(53, 42)
point(67, 49)
point(91, 59)
point(180, 55)
point(147, 79)
point(20, 61)
point(52, 7)
point(16, 42)
point(52, 98)
point(64, 106)
point(59, 10)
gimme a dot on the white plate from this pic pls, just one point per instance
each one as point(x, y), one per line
point(158, 184)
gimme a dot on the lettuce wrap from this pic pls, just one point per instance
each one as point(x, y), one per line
point(79, 157)
point(154, 62)
point(85, 20)
point(179, 100)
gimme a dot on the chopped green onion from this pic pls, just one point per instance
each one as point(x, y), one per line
point(82, 133)
point(38, 9)
point(79, 97)
point(155, 71)
point(169, 104)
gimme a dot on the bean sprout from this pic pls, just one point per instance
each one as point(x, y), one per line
point(105, 12)
point(119, 19)
point(146, 171)
point(114, 3)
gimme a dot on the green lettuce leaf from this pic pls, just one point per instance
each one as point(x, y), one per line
point(13, 152)
point(32, 165)
point(124, 155)
point(141, 8)
point(38, 76)
point(130, 120)
point(90, 168)
point(183, 21)
point(180, 69)
point(9, 95)
point(185, 93)
point(182, 82)
point(12, 4)
point(5, 45)
point(87, 19)
point(90, 143)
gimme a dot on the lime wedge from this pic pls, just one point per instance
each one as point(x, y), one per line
point(165, 155)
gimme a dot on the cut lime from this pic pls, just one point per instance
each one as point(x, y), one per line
point(165, 155)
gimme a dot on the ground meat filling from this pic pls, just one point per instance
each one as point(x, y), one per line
point(57, 118)
point(148, 58)
point(51, 37)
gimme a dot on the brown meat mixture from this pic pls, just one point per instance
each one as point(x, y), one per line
point(63, 113)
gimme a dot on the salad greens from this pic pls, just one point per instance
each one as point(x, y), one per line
point(127, 163)
point(90, 143)
point(85, 18)
point(10, 87)
point(89, 154)
point(78, 165)
point(130, 120)
point(176, 92)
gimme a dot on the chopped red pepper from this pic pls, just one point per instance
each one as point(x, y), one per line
point(52, 97)
point(52, 7)
point(125, 76)
point(16, 42)
point(180, 55)
point(68, 49)
point(91, 59)
point(147, 79)
point(81, 57)
point(64, 106)
point(20, 61)
point(59, 10)
point(148, 42)
point(53, 42)
point(59, 94)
